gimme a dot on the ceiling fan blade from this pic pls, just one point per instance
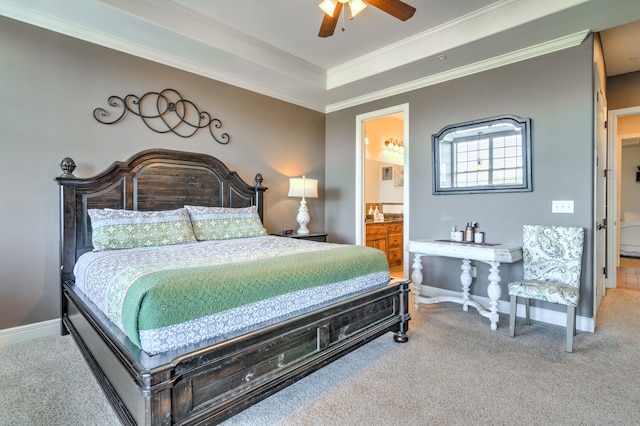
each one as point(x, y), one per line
point(394, 8)
point(329, 22)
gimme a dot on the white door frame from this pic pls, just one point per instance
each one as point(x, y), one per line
point(614, 155)
point(600, 195)
point(360, 151)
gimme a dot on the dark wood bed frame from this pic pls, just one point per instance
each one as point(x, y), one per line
point(205, 383)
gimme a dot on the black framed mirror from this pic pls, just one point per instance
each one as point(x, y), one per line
point(487, 155)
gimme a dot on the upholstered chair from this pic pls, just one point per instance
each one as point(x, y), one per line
point(552, 258)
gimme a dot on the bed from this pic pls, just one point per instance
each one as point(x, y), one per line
point(630, 235)
point(210, 378)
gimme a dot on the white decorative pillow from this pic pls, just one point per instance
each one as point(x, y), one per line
point(223, 223)
point(120, 229)
point(631, 217)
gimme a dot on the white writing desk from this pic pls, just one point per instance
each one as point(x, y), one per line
point(492, 254)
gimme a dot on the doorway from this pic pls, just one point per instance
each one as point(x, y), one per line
point(382, 202)
point(624, 152)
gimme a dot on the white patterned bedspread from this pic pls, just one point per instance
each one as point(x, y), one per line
point(98, 272)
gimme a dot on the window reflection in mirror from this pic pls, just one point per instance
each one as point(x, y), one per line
point(491, 154)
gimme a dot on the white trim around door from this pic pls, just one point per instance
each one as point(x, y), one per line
point(360, 158)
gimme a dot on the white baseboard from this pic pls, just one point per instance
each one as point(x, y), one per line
point(29, 332)
point(537, 314)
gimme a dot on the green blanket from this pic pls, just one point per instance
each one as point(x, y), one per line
point(171, 297)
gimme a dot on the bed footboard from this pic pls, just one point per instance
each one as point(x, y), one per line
point(210, 384)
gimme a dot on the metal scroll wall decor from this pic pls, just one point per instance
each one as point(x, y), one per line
point(164, 112)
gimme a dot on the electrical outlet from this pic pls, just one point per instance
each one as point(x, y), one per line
point(562, 206)
point(473, 272)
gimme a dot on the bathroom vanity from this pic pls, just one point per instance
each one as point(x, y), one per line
point(386, 236)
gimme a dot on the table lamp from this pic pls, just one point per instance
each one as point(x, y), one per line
point(303, 187)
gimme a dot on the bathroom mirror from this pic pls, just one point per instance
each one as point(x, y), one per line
point(487, 155)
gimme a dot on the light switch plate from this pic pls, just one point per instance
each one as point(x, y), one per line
point(562, 206)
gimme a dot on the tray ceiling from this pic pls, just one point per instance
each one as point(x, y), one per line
point(272, 47)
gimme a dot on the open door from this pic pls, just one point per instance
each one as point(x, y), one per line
point(373, 156)
point(600, 202)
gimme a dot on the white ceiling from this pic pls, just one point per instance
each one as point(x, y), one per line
point(271, 46)
point(621, 47)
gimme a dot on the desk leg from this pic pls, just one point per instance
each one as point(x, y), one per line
point(416, 278)
point(494, 292)
point(466, 279)
point(493, 289)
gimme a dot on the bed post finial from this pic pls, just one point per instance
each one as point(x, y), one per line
point(68, 166)
point(258, 180)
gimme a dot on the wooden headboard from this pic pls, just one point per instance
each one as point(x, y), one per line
point(156, 179)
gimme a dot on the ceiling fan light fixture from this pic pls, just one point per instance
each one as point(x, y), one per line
point(333, 8)
point(328, 6)
point(356, 7)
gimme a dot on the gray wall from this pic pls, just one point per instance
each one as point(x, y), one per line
point(554, 90)
point(52, 83)
point(623, 91)
point(50, 86)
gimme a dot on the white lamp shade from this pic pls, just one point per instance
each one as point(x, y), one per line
point(328, 6)
point(356, 7)
point(303, 187)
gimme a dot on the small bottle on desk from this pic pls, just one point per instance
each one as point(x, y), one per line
point(469, 231)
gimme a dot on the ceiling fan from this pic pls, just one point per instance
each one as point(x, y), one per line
point(332, 9)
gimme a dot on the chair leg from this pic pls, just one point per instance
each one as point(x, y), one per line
point(512, 316)
point(527, 319)
point(571, 326)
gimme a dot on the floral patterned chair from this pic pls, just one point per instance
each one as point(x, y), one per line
point(552, 257)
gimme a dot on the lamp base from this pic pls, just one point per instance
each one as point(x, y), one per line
point(302, 231)
point(303, 218)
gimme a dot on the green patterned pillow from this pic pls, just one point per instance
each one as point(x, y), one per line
point(120, 229)
point(223, 223)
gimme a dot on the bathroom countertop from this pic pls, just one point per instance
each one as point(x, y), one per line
point(390, 220)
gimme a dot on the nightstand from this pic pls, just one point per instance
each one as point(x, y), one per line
point(319, 236)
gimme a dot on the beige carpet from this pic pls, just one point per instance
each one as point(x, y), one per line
point(453, 371)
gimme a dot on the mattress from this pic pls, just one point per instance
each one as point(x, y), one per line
point(630, 251)
point(167, 297)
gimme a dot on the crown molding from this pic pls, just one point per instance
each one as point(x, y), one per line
point(217, 36)
point(35, 17)
point(492, 19)
point(491, 63)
